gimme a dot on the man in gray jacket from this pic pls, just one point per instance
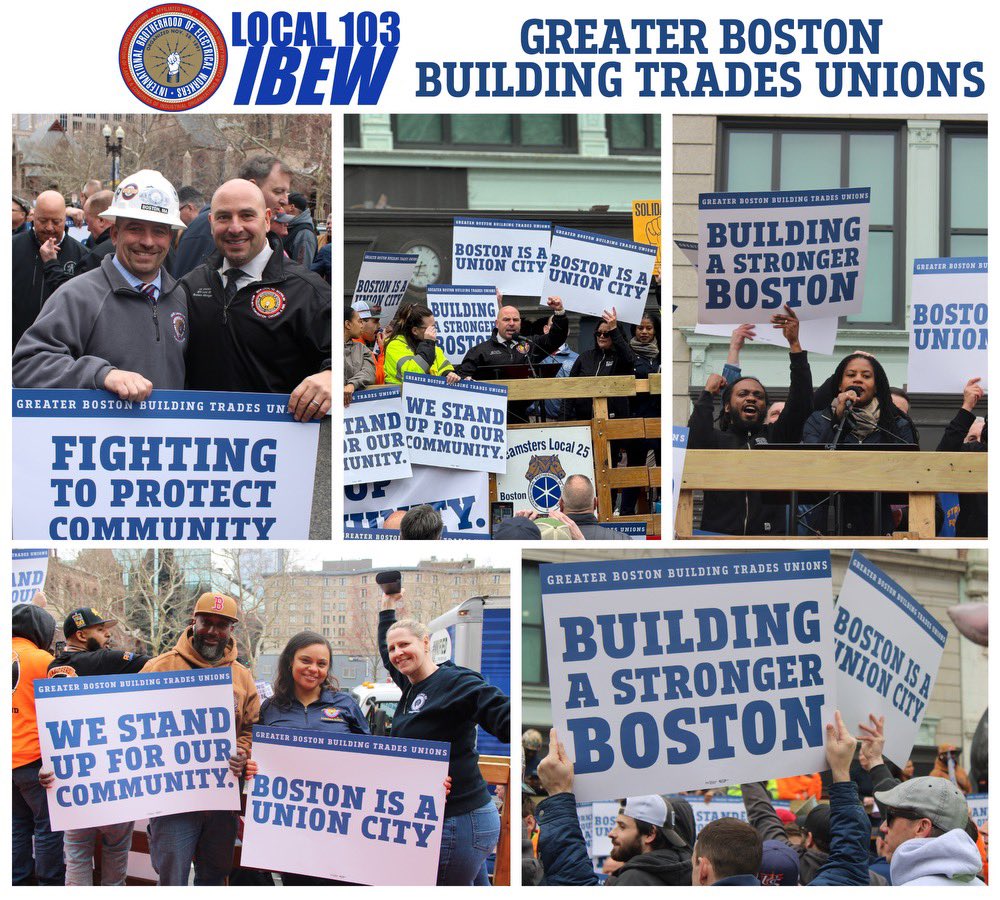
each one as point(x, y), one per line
point(122, 327)
point(359, 363)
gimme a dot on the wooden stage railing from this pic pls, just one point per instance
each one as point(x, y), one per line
point(604, 430)
point(920, 475)
point(496, 771)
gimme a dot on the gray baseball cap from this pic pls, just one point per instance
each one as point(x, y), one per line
point(654, 810)
point(928, 797)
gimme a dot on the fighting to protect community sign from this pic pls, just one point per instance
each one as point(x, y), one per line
point(458, 426)
point(128, 747)
point(675, 674)
point(28, 571)
point(182, 465)
point(352, 807)
point(592, 273)
point(507, 254)
point(887, 650)
point(949, 324)
point(760, 251)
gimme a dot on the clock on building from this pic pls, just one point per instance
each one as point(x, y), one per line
point(428, 270)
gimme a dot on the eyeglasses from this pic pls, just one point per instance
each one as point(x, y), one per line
point(892, 815)
point(603, 333)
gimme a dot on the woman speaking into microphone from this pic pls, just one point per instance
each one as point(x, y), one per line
point(445, 703)
point(861, 412)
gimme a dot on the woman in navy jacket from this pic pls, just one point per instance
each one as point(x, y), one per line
point(305, 697)
point(445, 703)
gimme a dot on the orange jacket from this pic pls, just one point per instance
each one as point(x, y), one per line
point(246, 703)
point(29, 663)
point(800, 787)
point(378, 351)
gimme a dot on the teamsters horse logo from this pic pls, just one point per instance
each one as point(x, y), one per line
point(172, 57)
point(545, 475)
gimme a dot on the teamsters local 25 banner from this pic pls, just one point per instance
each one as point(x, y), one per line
point(127, 747)
point(675, 674)
point(352, 807)
point(182, 465)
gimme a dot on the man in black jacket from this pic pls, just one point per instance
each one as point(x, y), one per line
point(87, 652)
point(41, 260)
point(579, 502)
point(259, 322)
point(507, 347)
point(87, 649)
point(742, 427)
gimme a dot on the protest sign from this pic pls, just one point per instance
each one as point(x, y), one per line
point(585, 813)
point(182, 465)
point(815, 335)
point(539, 460)
point(462, 498)
point(352, 807)
point(507, 254)
point(680, 442)
point(383, 280)
point(594, 272)
point(374, 443)
point(949, 325)
point(979, 808)
point(635, 530)
point(127, 747)
point(887, 649)
point(457, 426)
point(759, 251)
point(389, 534)
point(676, 674)
point(646, 227)
point(28, 571)
point(604, 815)
point(464, 316)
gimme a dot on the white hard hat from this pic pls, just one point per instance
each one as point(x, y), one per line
point(148, 196)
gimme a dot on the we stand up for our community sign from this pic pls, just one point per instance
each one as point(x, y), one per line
point(694, 672)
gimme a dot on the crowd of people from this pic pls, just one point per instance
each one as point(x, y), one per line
point(377, 354)
point(451, 702)
point(863, 822)
point(855, 406)
point(174, 290)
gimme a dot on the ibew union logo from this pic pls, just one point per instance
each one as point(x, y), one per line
point(545, 476)
point(172, 57)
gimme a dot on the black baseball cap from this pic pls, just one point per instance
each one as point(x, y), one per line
point(84, 617)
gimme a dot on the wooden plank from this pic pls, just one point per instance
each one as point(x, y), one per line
point(816, 470)
point(654, 383)
point(556, 388)
point(652, 427)
point(625, 429)
point(654, 476)
point(602, 458)
point(685, 514)
point(628, 477)
point(496, 771)
point(921, 513)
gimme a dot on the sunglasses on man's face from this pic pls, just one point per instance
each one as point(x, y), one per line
point(891, 817)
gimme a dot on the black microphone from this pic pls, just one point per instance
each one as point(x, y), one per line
point(849, 403)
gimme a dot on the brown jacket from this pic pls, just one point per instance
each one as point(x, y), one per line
point(246, 703)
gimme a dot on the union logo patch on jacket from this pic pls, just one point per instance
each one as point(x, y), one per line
point(268, 303)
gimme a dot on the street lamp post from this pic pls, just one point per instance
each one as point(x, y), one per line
point(114, 150)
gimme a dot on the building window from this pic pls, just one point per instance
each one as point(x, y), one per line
point(534, 669)
point(633, 135)
point(799, 155)
point(352, 131)
point(963, 191)
point(326, 620)
point(341, 607)
point(524, 134)
point(496, 579)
